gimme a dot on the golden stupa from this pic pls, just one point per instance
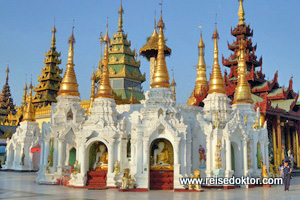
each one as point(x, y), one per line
point(29, 115)
point(242, 93)
point(161, 75)
point(217, 84)
point(69, 85)
point(104, 89)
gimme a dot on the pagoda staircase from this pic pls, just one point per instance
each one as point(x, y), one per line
point(96, 179)
point(161, 180)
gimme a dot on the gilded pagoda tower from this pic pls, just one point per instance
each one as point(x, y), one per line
point(124, 69)
point(6, 102)
point(49, 81)
point(150, 50)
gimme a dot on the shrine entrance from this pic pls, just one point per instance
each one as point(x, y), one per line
point(98, 164)
point(161, 165)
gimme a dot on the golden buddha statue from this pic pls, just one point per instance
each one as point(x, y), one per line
point(101, 158)
point(264, 173)
point(161, 157)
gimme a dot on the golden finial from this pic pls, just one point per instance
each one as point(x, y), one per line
point(29, 110)
point(216, 84)
point(53, 41)
point(7, 72)
point(241, 13)
point(120, 23)
point(161, 76)
point(104, 89)
point(92, 97)
point(24, 98)
point(242, 93)
point(154, 31)
point(173, 86)
point(69, 85)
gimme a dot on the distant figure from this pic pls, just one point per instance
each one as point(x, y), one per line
point(0, 164)
point(286, 172)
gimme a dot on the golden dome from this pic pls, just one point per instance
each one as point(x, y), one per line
point(216, 84)
point(29, 114)
point(242, 93)
point(104, 89)
point(161, 75)
point(69, 85)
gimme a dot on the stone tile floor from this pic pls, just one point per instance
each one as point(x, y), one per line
point(16, 185)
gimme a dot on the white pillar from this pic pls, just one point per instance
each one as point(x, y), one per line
point(145, 152)
point(189, 157)
point(267, 155)
point(111, 156)
point(139, 153)
point(83, 163)
point(60, 152)
point(245, 157)
point(208, 156)
point(42, 154)
point(228, 155)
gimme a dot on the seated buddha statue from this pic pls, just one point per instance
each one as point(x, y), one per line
point(161, 157)
point(101, 158)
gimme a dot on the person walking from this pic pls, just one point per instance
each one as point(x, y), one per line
point(287, 170)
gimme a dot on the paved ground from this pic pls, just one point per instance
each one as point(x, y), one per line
point(16, 185)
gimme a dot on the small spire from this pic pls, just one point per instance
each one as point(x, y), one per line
point(161, 76)
point(24, 98)
point(104, 89)
point(154, 31)
point(242, 93)
point(173, 86)
point(217, 84)
point(7, 72)
point(29, 115)
point(92, 97)
point(120, 23)
point(69, 85)
point(241, 13)
point(53, 41)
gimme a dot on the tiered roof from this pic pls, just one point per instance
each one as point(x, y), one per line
point(123, 65)
point(6, 102)
point(49, 81)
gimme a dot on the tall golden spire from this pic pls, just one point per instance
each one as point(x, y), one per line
point(53, 41)
point(201, 81)
point(216, 84)
point(241, 13)
point(24, 98)
point(69, 85)
point(29, 110)
point(154, 31)
point(161, 75)
point(104, 89)
point(242, 93)
point(120, 23)
point(92, 97)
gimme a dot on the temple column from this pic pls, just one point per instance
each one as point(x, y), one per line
point(139, 153)
point(275, 153)
point(209, 156)
point(46, 152)
point(111, 156)
point(60, 152)
point(42, 154)
point(145, 152)
point(245, 149)
point(177, 170)
point(189, 156)
point(279, 140)
point(297, 147)
point(289, 139)
point(254, 159)
point(228, 158)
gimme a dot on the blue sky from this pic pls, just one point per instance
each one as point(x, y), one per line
point(25, 35)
